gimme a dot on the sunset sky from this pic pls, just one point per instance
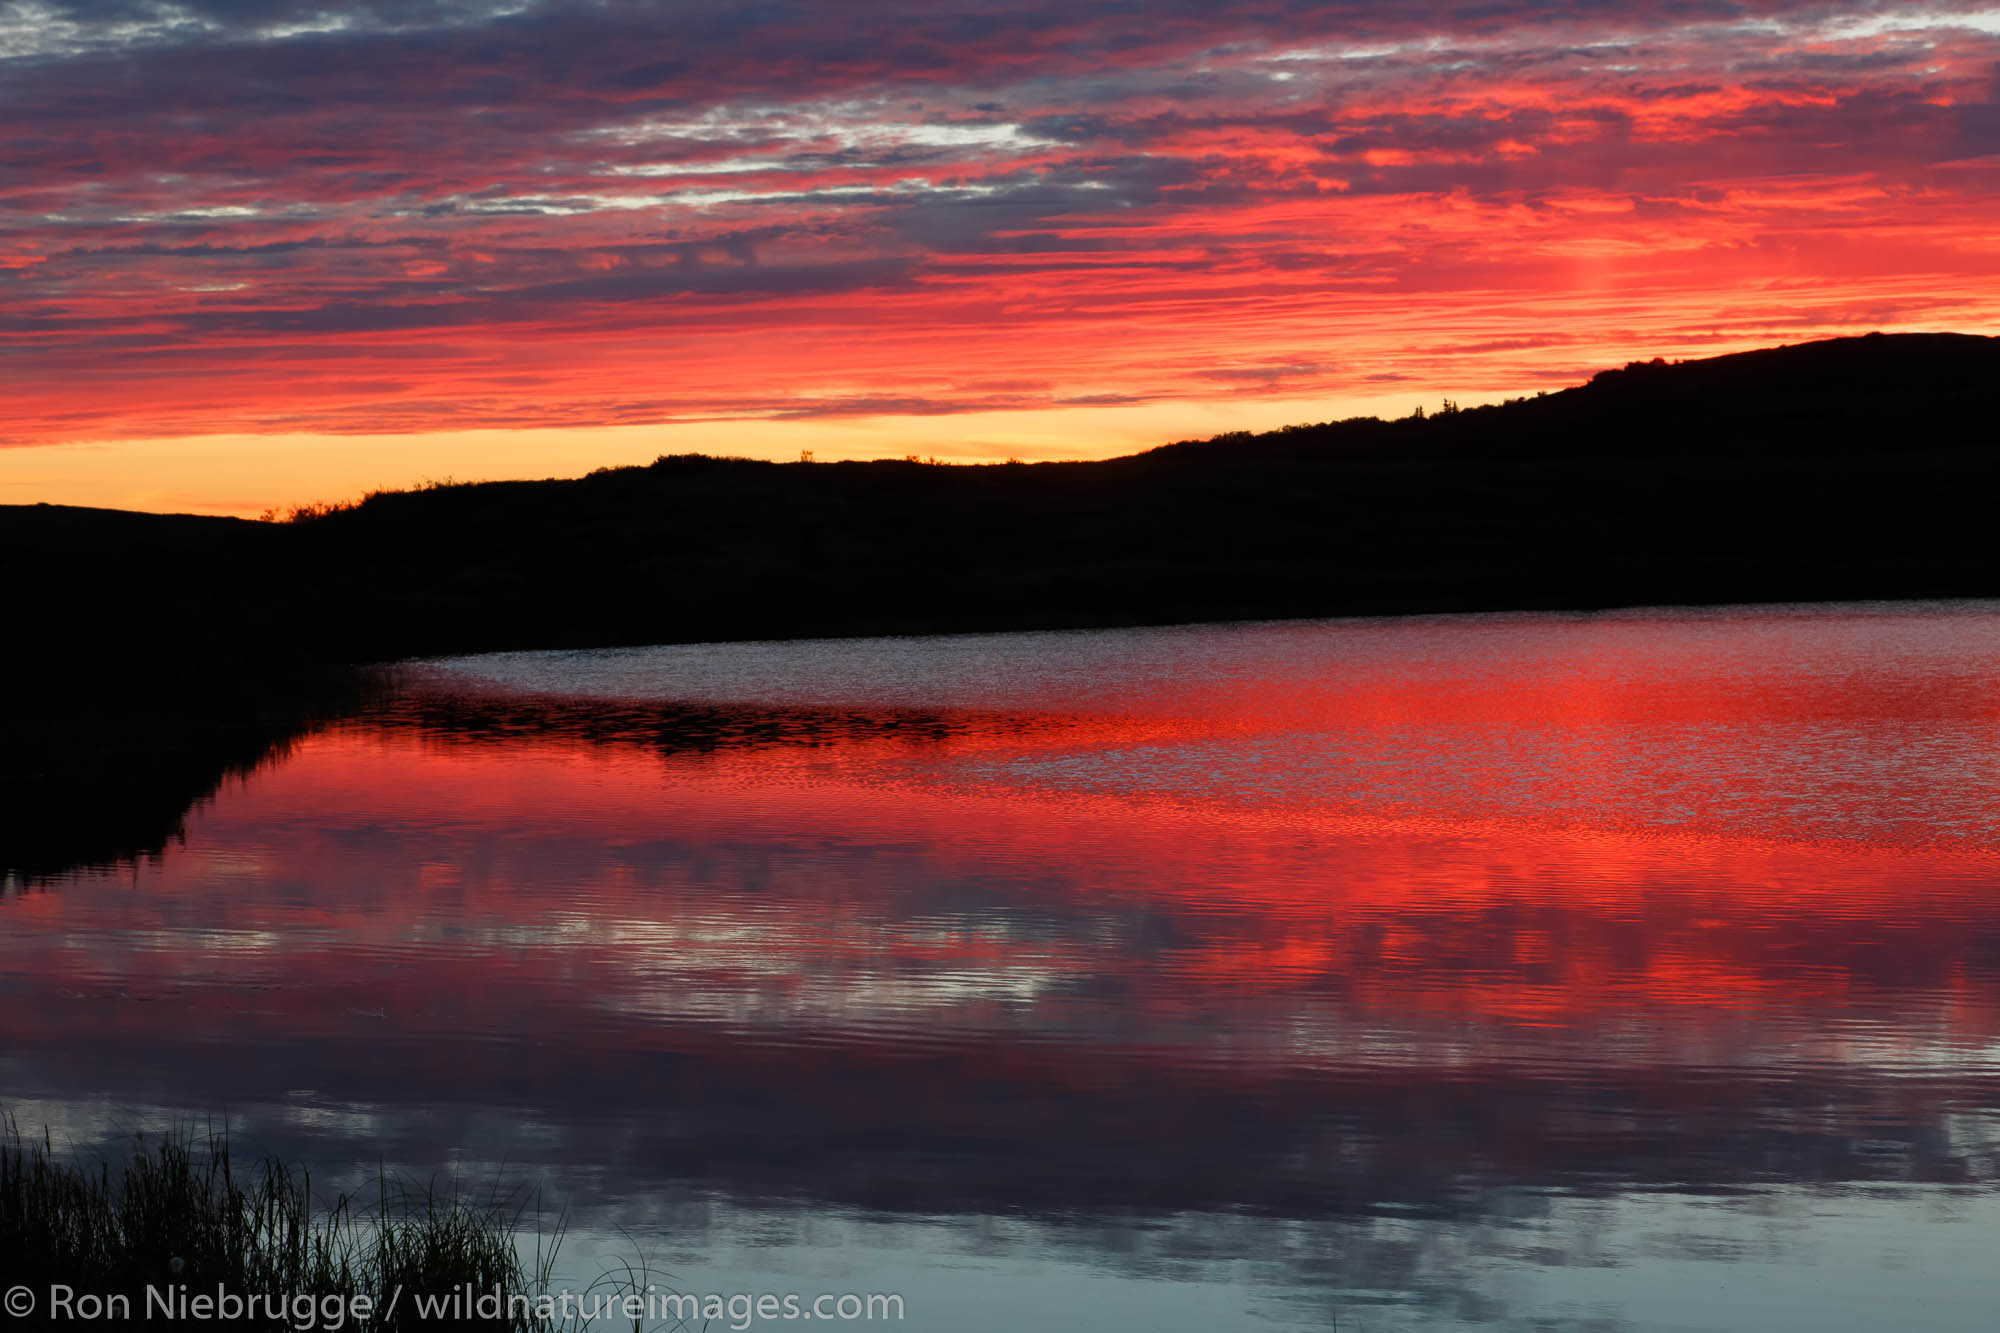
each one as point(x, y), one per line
point(261, 252)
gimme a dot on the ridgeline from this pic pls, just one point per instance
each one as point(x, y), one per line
point(1856, 468)
point(150, 656)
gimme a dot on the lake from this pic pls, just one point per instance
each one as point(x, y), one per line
point(1628, 971)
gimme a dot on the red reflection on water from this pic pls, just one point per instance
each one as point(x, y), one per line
point(1322, 933)
point(527, 885)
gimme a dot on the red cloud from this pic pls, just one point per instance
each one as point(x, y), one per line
point(570, 217)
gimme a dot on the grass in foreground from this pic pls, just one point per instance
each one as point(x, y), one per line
point(180, 1218)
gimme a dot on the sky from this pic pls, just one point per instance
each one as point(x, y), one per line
point(256, 253)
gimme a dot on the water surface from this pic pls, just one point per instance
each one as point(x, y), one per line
point(1632, 971)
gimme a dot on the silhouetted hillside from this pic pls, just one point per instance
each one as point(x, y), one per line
point(1860, 468)
point(148, 656)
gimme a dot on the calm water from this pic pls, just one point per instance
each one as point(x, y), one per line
point(1635, 971)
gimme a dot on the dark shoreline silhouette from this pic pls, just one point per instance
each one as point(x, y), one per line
point(1846, 470)
point(150, 655)
point(107, 778)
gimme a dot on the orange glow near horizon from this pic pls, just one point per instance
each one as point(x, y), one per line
point(929, 233)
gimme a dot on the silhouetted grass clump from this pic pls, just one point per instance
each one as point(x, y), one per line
point(179, 1218)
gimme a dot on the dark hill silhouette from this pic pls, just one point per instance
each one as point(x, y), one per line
point(146, 656)
point(1858, 468)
